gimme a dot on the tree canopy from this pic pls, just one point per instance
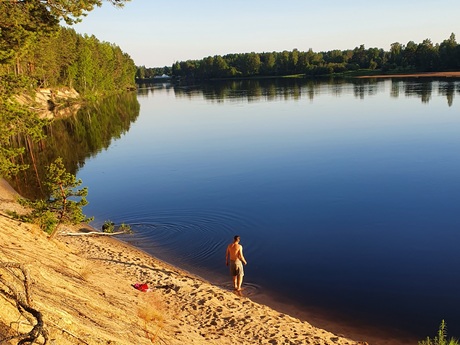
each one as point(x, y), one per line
point(23, 20)
point(35, 51)
point(412, 57)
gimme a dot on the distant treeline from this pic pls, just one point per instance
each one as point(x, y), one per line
point(412, 57)
point(65, 58)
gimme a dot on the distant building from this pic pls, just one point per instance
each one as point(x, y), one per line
point(162, 77)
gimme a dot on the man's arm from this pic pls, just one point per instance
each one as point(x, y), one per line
point(227, 253)
point(242, 256)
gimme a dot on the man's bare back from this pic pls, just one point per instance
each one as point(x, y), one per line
point(234, 250)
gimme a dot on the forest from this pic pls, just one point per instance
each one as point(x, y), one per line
point(37, 51)
point(65, 58)
point(35, 46)
point(412, 57)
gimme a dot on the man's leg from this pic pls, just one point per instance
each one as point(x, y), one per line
point(235, 282)
point(239, 282)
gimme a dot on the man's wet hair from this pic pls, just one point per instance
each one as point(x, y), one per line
point(236, 237)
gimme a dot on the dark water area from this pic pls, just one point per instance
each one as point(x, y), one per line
point(346, 195)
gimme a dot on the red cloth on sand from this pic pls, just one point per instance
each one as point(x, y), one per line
point(141, 287)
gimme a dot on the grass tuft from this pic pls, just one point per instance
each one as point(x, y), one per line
point(441, 338)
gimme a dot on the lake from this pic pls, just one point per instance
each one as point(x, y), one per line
point(346, 194)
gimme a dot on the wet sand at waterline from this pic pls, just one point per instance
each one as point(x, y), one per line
point(84, 288)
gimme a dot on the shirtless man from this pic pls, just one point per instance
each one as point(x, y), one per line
point(235, 254)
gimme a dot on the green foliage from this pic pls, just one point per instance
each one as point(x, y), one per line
point(22, 22)
point(74, 139)
point(15, 120)
point(109, 228)
point(422, 57)
point(44, 217)
point(125, 228)
point(72, 10)
point(33, 44)
point(39, 214)
point(441, 338)
point(36, 52)
point(65, 58)
point(65, 202)
point(65, 199)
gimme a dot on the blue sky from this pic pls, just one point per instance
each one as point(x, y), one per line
point(158, 33)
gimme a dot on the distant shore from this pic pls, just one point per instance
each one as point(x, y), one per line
point(455, 74)
point(415, 75)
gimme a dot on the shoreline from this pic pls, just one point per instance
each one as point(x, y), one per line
point(85, 285)
point(315, 315)
point(84, 288)
point(455, 74)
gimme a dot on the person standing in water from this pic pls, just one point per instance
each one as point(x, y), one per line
point(235, 257)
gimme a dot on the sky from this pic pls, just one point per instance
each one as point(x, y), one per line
point(159, 33)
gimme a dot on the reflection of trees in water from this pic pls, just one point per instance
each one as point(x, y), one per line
point(146, 89)
point(249, 90)
point(296, 88)
point(396, 85)
point(74, 139)
point(367, 87)
point(448, 89)
point(93, 128)
point(422, 89)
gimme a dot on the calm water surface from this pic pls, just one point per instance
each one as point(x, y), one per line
point(346, 195)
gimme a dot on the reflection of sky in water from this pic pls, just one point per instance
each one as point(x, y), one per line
point(358, 194)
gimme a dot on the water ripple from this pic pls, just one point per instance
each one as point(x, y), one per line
point(248, 289)
point(185, 236)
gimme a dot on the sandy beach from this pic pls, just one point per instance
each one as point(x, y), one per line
point(84, 288)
